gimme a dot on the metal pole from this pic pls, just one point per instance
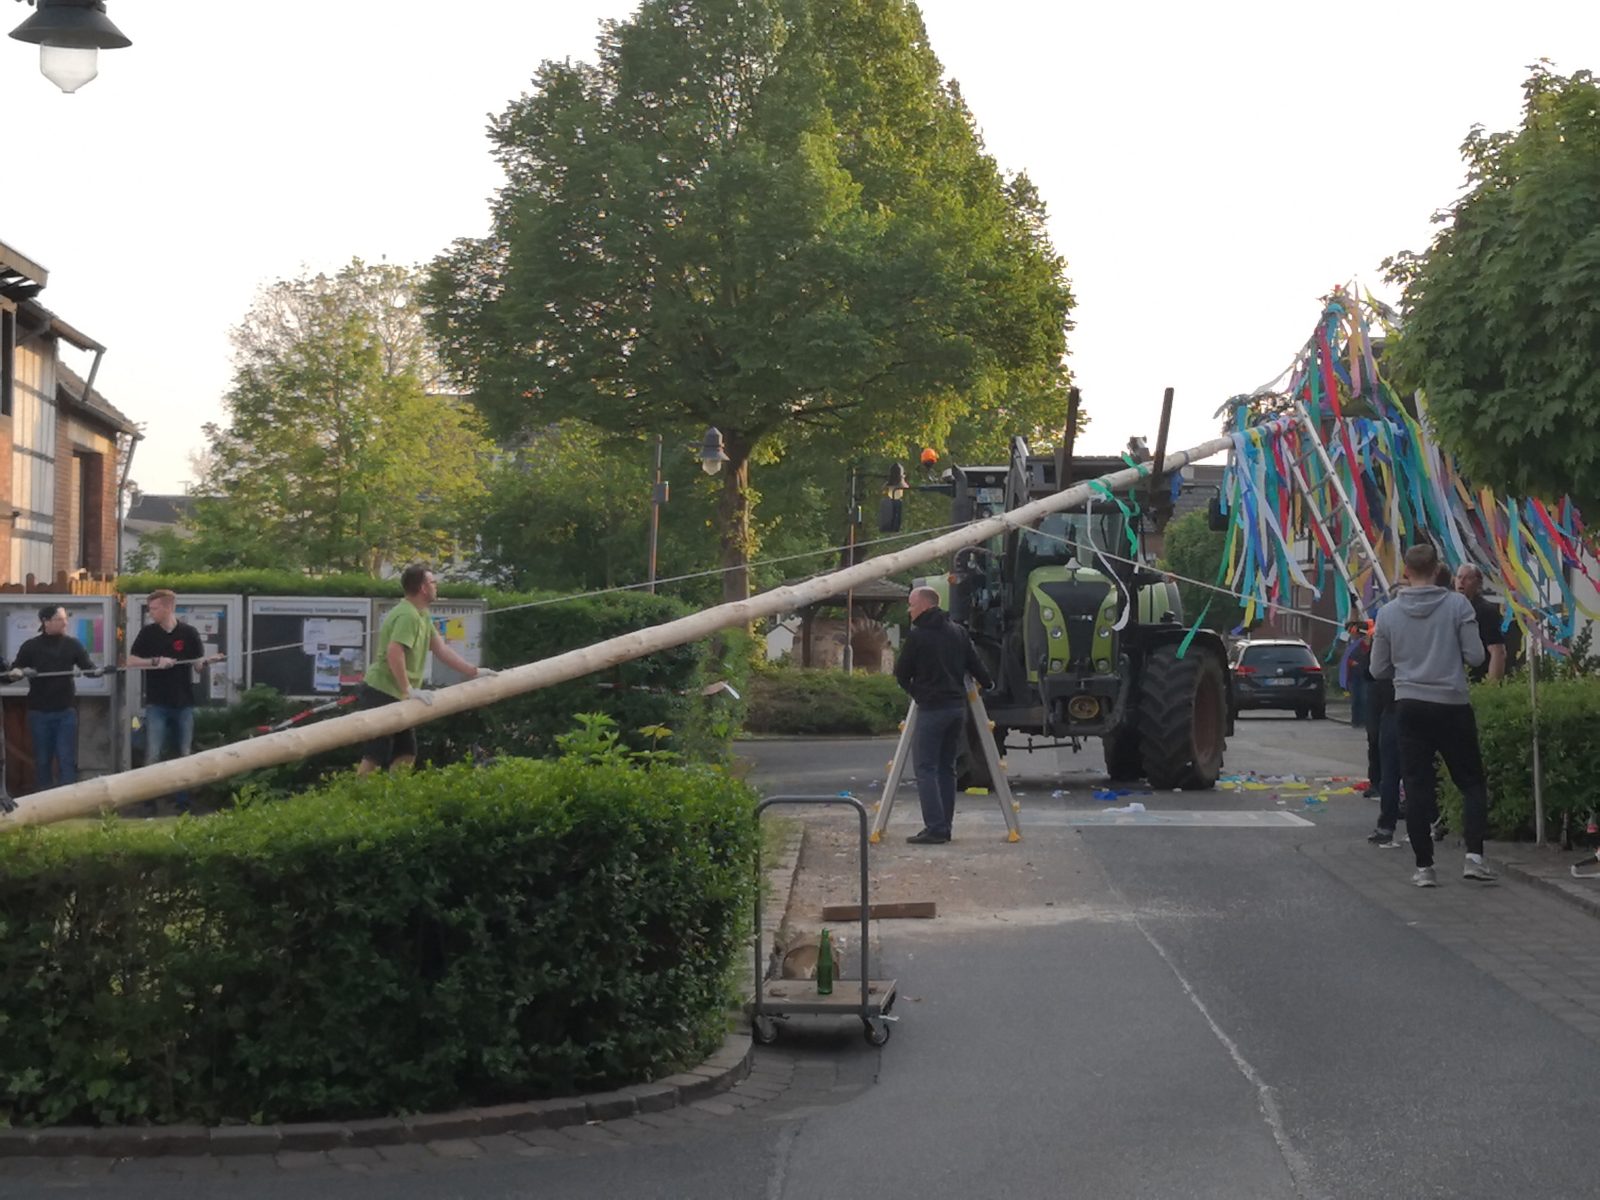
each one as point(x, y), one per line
point(1538, 771)
point(656, 500)
point(850, 560)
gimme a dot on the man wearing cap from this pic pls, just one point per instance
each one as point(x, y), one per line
point(50, 662)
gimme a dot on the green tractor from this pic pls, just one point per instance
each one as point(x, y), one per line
point(1083, 640)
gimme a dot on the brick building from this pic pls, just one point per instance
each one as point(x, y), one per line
point(64, 448)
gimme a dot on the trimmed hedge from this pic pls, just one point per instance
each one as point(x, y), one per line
point(1569, 753)
point(797, 701)
point(440, 939)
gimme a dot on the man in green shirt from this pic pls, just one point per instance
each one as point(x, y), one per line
point(404, 639)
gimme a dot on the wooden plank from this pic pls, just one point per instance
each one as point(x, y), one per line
point(898, 910)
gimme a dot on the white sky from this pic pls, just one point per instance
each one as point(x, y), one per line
point(1211, 169)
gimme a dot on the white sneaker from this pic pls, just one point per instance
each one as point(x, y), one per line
point(1479, 870)
point(1425, 877)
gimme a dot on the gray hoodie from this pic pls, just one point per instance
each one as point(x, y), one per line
point(1425, 639)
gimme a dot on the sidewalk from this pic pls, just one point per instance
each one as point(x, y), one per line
point(1550, 868)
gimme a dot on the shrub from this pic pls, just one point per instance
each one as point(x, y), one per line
point(791, 700)
point(1568, 752)
point(384, 945)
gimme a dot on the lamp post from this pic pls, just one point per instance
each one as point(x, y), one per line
point(852, 519)
point(712, 456)
point(70, 35)
point(658, 497)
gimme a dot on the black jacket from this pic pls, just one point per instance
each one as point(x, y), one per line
point(936, 659)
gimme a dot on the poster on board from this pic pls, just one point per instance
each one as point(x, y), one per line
point(458, 622)
point(308, 646)
point(90, 619)
point(219, 620)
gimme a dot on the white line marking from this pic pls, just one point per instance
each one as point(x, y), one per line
point(1266, 1096)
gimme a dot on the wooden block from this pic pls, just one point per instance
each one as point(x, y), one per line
point(881, 912)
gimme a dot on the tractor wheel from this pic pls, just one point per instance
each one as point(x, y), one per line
point(1122, 754)
point(1182, 718)
point(972, 768)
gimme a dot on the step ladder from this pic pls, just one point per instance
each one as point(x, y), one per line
point(991, 753)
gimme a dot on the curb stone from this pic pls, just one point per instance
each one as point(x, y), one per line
point(1588, 902)
point(722, 1070)
point(729, 1064)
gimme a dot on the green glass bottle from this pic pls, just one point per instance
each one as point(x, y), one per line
point(824, 965)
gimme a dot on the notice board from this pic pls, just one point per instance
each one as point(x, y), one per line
point(90, 619)
point(458, 622)
point(220, 621)
point(308, 646)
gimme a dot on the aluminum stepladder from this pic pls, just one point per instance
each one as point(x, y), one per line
point(991, 754)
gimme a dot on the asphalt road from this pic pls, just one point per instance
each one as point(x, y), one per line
point(1196, 1010)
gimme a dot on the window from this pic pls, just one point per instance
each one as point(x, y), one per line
point(8, 341)
point(1270, 658)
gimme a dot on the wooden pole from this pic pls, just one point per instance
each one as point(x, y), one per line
point(130, 787)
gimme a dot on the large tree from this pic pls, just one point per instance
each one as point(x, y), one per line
point(335, 455)
point(771, 216)
point(1502, 314)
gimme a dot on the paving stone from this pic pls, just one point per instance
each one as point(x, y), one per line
point(456, 1148)
point(380, 1131)
point(431, 1127)
point(607, 1106)
point(244, 1139)
point(351, 1156)
point(406, 1154)
point(299, 1159)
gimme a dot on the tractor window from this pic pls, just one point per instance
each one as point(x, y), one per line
point(1063, 536)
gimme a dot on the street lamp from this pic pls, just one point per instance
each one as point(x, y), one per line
point(70, 35)
point(712, 455)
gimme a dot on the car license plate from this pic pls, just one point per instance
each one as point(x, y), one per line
point(1280, 683)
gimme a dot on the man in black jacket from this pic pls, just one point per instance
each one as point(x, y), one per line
point(49, 662)
point(933, 667)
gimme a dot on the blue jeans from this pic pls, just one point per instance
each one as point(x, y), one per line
point(934, 744)
point(55, 740)
point(164, 725)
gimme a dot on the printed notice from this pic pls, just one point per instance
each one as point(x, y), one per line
point(331, 631)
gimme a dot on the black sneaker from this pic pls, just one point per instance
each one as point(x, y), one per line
point(1381, 836)
point(928, 838)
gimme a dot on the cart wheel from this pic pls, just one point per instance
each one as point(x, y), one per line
point(764, 1030)
point(877, 1032)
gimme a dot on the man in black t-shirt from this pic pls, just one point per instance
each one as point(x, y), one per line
point(170, 651)
point(1469, 582)
point(49, 663)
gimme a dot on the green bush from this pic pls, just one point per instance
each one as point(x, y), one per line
point(1569, 753)
point(441, 939)
point(792, 700)
point(660, 689)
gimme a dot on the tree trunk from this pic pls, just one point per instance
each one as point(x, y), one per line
point(733, 519)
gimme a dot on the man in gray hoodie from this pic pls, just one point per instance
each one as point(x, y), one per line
point(1425, 639)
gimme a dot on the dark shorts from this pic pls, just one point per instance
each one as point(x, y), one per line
point(384, 750)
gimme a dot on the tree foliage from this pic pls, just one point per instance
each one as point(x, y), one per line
point(771, 216)
point(335, 455)
point(1194, 550)
point(1502, 313)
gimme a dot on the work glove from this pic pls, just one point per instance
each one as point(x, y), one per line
point(94, 672)
point(424, 697)
point(28, 672)
point(14, 673)
point(485, 673)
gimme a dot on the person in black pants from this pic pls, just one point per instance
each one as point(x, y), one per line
point(933, 667)
point(1424, 641)
point(49, 662)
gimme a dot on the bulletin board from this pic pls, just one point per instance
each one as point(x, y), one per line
point(90, 619)
point(93, 621)
point(220, 622)
point(458, 622)
point(308, 646)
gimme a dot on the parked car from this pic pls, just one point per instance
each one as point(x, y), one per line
point(1280, 673)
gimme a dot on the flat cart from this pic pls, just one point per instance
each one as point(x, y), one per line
point(785, 998)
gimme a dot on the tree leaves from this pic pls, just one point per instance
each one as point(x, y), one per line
point(1503, 312)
